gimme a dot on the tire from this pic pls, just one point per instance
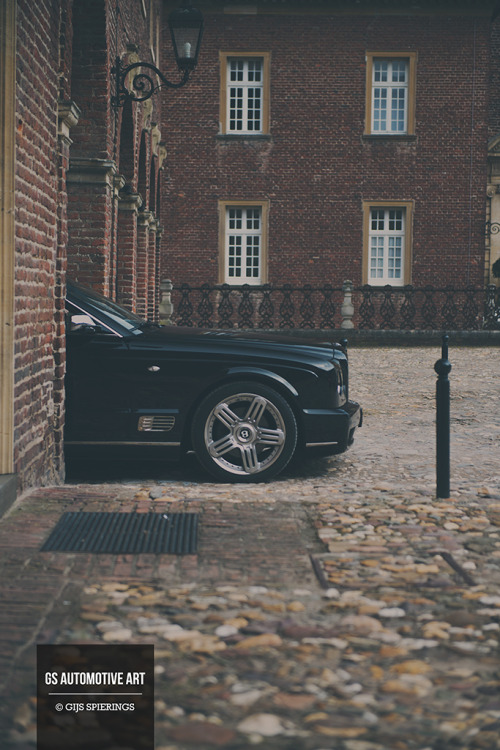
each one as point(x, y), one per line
point(244, 432)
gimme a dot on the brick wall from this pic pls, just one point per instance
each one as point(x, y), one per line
point(317, 168)
point(494, 101)
point(37, 420)
point(67, 197)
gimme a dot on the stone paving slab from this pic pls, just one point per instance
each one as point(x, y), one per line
point(341, 606)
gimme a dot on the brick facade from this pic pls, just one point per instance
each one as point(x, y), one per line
point(317, 167)
point(40, 230)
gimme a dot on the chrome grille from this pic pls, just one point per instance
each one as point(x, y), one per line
point(156, 423)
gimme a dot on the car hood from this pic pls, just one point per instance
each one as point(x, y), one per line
point(219, 339)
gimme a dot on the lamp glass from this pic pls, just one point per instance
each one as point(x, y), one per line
point(186, 29)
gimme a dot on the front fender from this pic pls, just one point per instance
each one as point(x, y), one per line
point(262, 374)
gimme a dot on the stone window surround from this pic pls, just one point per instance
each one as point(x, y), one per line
point(408, 207)
point(263, 205)
point(223, 98)
point(411, 58)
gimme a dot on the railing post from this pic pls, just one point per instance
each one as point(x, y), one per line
point(442, 368)
point(491, 308)
point(347, 308)
point(166, 307)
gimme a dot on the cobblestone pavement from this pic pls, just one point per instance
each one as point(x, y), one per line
point(340, 607)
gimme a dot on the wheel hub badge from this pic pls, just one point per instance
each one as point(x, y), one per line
point(244, 433)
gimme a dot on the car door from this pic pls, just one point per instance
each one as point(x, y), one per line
point(164, 379)
point(97, 382)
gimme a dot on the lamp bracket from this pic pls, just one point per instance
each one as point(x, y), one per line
point(144, 84)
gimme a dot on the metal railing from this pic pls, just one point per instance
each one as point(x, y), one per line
point(305, 307)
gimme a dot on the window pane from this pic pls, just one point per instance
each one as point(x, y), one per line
point(253, 218)
point(235, 218)
point(243, 243)
point(378, 220)
point(234, 259)
point(254, 108)
point(380, 71)
point(245, 102)
point(253, 254)
point(386, 246)
point(380, 109)
point(377, 258)
point(235, 108)
point(395, 221)
point(255, 70)
point(399, 71)
point(236, 70)
point(390, 100)
point(398, 109)
point(394, 258)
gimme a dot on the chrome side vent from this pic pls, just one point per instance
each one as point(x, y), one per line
point(156, 423)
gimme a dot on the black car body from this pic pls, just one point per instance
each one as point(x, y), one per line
point(245, 402)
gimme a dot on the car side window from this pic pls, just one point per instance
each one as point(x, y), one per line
point(78, 321)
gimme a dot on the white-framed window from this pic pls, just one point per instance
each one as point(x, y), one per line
point(387, 246)
point(244, 243)
point(387, 234)
point(245, 93)
point(390, 103)
point(390, 96)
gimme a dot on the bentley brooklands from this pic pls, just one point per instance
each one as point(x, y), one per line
point(246, 402)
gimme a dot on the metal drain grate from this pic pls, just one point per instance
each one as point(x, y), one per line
point(125, 533)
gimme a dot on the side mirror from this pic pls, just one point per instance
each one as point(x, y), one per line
point(83, 324)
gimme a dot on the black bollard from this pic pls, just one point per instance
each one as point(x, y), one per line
point(443, 367)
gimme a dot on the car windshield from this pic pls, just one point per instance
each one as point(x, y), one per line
point(104, 308)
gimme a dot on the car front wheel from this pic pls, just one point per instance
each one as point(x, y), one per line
point(244, 432)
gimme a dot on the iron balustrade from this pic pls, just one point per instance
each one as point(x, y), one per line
point(262, 307)
point(291, 307)
point(427, 308)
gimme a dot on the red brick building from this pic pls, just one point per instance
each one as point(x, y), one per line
point(333, 140)
point(315, 142)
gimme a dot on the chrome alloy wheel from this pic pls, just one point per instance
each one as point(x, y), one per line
point(245, 434)
point(244, 431)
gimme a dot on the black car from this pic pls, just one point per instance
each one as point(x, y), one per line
point(245, 402)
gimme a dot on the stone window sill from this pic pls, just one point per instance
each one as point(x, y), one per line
point(386, 138)
point(244, 137)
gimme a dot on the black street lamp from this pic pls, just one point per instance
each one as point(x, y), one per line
point(186, 31)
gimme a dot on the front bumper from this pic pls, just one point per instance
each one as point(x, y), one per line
point(329, 431)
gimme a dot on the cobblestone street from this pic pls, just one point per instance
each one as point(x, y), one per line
point(339, 607)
